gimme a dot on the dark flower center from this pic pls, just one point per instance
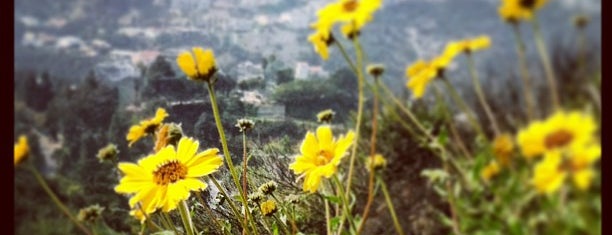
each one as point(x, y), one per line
point(528, 3)
point(557, 139)
point(170, 173)
point(350, 6)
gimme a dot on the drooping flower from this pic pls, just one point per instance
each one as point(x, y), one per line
point(320, 156)
point(164, 179)
point(376, 70)
point(146, 127)
point(321, 40)
point(167, 134)
point(199, 66)
point(575, 162)
point(268, 208)
point(490, 171)
point(21, 150)
point(513, 11)
point(559, 131)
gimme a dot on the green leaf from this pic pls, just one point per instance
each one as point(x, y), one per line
point(332, 199)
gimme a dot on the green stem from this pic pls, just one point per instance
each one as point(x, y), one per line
point(464, 107)
point(186, 217)
point(480, 94)
point(360, 102)
point(228, 199)
point(396, 224)
point(244, 177)
point(226, 154)
point(526, 78)
point(168, 222)
point(406, 111)
point(346, 57)
point(209, 211)
point(345, 206)
point(327, 217)
point(56, 200)
point(550, 74)
point(282, 225)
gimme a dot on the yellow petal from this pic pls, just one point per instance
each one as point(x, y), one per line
point(582, 178)
point(325, 137)
point(205, 165)
point(342, 146)
point(187, 148)
point(310, 145)
point(187, 64)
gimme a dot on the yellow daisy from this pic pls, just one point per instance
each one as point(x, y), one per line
point(561, 130)
point(321, 41)
point(551, 172)
point(503, 146)
point(469, 45)
point(22, 150)
point(320, 156)
point(164, 179)
point(268, 208)
point(421, 73)
point(490, 171)
point(199, 66)
point(146, 127)
point(514, 11)
point(355, 13)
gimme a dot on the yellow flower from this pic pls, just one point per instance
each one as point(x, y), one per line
point(490, 171)
point(561, 130)
point(21, 150)
point(379, 162)
point(199, 66)
point(137, 213)
point(146, 127)
point(502, 148)
point(514, 11)
point(577, 161)
point(321, 41)
point(320, 156)
point(354, 13)
point(468, 45)
point(164, 179)
point(268, 208)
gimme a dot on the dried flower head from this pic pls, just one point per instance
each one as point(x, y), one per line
point(108, 153)
point(268, 188)
point(245, 124)
point(376, 70)
point(292, 198)
point(326, 116)
point(90, 214)
point(256, 197)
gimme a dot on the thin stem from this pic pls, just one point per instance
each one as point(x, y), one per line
point(186, 217)
point(244, 176)
point(228, 199)
point(464, 107)
point(454, 132)
point(346, 57)
point(282, 225)
point(345, 206)
point(396, 224)
point(370, 199)
point(480, 94)
point(526, 78)
point(209, 211)
point(550, 74)
point(168, 222)
point(56, 200)
point(406, 111)
point(327, 217)
point(226, 154)
point(360, 102)
point(451, 196)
